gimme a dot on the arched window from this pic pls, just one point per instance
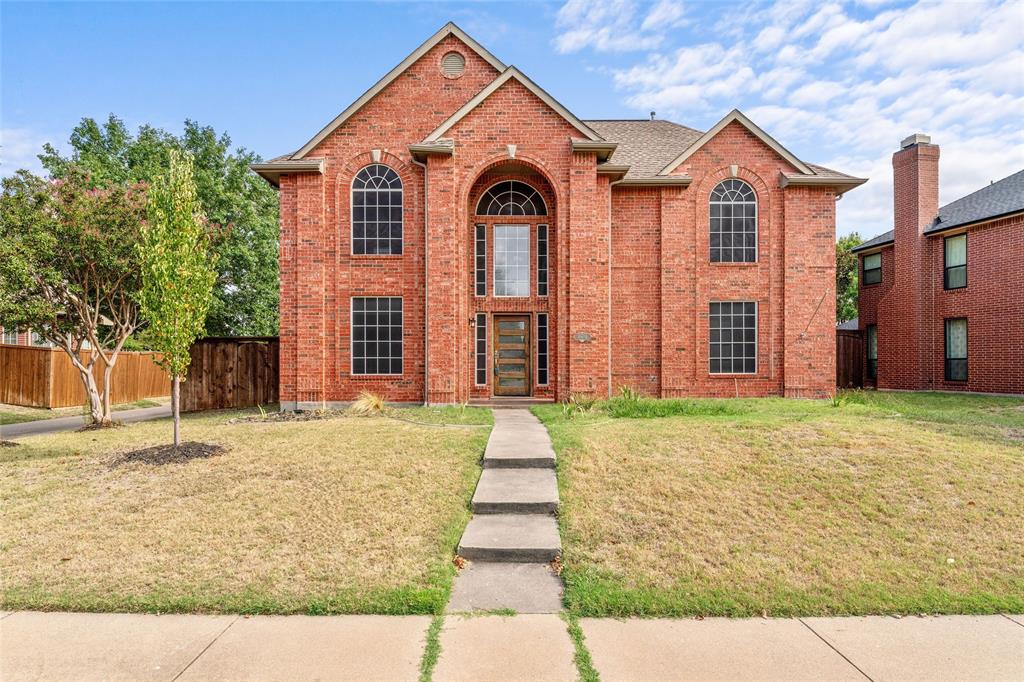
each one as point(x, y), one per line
point(511, 197)
point(733, 223)
point(377, 211)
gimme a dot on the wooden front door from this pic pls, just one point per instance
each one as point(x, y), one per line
point(512, 355)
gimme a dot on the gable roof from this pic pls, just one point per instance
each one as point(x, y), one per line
point(737, 116)
point(506, 75)
point(999, 198)
point(446, 30)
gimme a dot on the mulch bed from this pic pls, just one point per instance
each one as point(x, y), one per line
point(168, 454)
point(297, 416)
point(8, 444)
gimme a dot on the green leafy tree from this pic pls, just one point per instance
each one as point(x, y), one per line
point(177, 272)
point(69, 269)
point(245, 298)
point(846, 277)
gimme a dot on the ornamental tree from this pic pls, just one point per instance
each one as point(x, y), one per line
point(69, 269)
point(177, 272)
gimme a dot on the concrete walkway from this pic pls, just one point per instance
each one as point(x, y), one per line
point(41, 426)
point(513, 534)
point(82, 646)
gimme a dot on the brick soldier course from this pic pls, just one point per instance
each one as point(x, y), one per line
point(630, 291)
point(906, 304)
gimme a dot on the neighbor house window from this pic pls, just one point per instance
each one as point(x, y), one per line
point(480, 260)
point(956, 262)
point(376, 211)
point(542, 349)
point(872, 334)
point(733, 223)
point(377, 335)
point(956, 349)
point(542, 260)
point(872, 268)
point(10, 336)
point(511, 260)
point(511, 197)
point(733, 337)
point(481, 349)
point(37, 339)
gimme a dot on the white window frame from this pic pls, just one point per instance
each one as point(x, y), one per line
point(757, 341)
point(528, 228)
point(352, 339)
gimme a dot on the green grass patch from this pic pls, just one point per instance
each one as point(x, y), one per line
point(584, 664)
point(432, 650)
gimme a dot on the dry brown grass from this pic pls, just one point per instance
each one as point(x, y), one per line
point(347, 514)
point(824, 511)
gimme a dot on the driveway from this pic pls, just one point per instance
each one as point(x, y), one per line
point(41, 426)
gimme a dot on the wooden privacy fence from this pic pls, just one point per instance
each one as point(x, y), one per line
point(849, 358)
point(45, 377)
point(231, 372)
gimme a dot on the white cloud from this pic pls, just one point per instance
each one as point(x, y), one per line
point(19, 148)
point(842, 83)
point(616, 25)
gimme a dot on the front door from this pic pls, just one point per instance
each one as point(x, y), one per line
point(512, 355)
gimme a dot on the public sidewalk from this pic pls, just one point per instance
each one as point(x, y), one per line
point(79, 646)
point(41, 426)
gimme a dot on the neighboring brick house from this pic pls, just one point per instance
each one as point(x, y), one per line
point(457, 234)
point(942, 294)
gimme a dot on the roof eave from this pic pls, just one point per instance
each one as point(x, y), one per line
point(613, 171)
point(272, 172)
point(866, 250)
point(971, 223)
point(603, 148)
point(842, 185)
point(657, 181)
point(420, 152)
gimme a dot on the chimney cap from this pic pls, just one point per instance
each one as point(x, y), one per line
point(916, 138)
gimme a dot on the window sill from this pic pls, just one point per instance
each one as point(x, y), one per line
point(954, 288)
point(735, 375)
point(372, 256)
point(734, 265)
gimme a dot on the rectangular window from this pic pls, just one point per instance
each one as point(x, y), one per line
point(542, 349)
point(481, 349)
point(956, 349)
point(377, 335)
point(542, 260)
point(732, 330)
point(872, 333)
point(511, 260)
point(10, 336)
point(956, 262)
point(481, 260)
point(872, 268)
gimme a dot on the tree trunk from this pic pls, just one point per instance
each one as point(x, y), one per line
point(176, 410)
point(108, 369)
point(92, 391)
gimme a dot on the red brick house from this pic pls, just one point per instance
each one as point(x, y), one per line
point(942, 294)
point(458, 234)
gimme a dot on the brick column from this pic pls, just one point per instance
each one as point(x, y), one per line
point(443, 267)
point(589, 238)
point(678, 292)
point(309, 292)
point(809, 301)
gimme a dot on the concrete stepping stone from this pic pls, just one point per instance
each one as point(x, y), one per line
point(516, 491)
point(518, 440)
point(523, 588)
point(511, 537)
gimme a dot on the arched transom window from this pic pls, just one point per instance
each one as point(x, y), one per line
point(733, 223)
point(511, 197)
point(376, 211)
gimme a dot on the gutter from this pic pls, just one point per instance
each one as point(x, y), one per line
point(842, 184)
point(272, 172)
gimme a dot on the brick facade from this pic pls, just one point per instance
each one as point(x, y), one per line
point(630, 278)
point(910, 304)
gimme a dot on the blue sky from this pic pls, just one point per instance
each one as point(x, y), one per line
point(837, 83)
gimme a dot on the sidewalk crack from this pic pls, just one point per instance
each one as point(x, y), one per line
point(830, 646)
point(1011, 620)
point(205, 648)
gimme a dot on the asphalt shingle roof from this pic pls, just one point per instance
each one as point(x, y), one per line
point(645, 146)
point(999, 198)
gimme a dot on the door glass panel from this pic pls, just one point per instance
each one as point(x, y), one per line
point(511, 325)
point(517, 340)
point(506, 353)
point(506, 382)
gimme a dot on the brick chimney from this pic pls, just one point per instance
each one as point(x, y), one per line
point(915, 170)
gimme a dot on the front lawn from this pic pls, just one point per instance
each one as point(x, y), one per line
point(879, 503)
point(17, 414)
point(340, 515)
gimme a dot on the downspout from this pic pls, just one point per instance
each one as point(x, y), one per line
point(426, 287)
point(610, 185)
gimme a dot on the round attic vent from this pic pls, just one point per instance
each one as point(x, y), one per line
point(453, 64)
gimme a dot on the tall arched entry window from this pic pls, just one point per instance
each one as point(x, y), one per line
point(511, 198)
